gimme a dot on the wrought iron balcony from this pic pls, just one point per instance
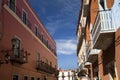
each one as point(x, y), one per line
point(41, 65)
point(21, 58)
point(103, 31)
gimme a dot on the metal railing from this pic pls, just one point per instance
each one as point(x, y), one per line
point(87, 50)
point(11, 56)
point(41, 65)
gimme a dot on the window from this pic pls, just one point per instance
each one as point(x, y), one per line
point(36, 31)
point(15, 77)
point(47, 43)
point(16, 47)
point(102, 3)
point(46, 61)
point(38, 78)
point(12, 5)
point(38, 56)
point(32, 78)
point(24, 17)
point(25, 78)
point(38, 59)
point(42, 38)
point(50, 63)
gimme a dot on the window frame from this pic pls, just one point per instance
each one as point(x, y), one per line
point(11, 7)
point(15, 75)
point(18, 48)
point(26, 17)
point(36, 30)
point(32, 78)
point(38, 78)
point(26, 77)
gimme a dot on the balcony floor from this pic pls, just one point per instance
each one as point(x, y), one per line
point(92, 58)
point(104, 40)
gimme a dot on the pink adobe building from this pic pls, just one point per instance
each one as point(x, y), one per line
point(27, 51)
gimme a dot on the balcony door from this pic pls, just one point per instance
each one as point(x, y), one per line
point(16, 46)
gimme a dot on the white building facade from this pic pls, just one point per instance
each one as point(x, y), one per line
point(67, 75)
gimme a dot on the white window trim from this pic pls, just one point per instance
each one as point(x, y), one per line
point(23, 10)
point(36, 26)
point(18, 39)
point(100, 8)
point(27, 77)
point(31, 77)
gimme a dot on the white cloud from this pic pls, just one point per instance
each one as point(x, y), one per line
point(66, 46)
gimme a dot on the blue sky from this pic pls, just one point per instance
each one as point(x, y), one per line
point(60, 17)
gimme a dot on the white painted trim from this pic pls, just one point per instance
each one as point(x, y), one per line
point(100, 7)
point(23, 10)
point(9, 4)
point(15, 36)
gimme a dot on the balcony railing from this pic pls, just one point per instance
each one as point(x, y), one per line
point(91, 54)
point(22, 58)
point(41, 65)
point(28, 23)
point(102, 29)
point(87, 49)
point(13, 58)
point(81, 66)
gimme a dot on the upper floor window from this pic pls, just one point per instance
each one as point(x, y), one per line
point(42, 38)
point(47, 43)
point(36, 31)
point(50, 63)
point(24, 17)
point(32, 78)
point(38, 56)
point(46, 61)
point(25, 78)
point(102, 3)
point(12, 5)
point(16, 46)
point(38, 78)
point(15, 77)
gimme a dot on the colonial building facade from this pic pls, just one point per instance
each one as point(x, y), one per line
point(98, 39)
point(27, 51)
point(67, 75)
